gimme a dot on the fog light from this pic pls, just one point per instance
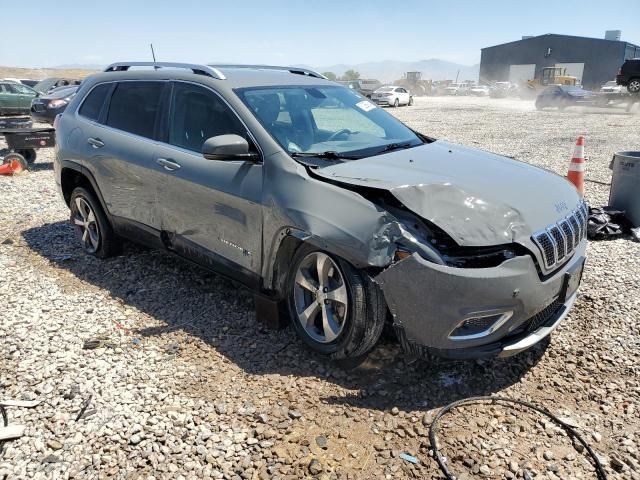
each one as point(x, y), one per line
point(479, 326)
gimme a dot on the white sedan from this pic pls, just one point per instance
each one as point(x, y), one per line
point(392, 96)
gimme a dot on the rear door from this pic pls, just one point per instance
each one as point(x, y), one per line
point(120, 147)
point(211, 210)
point(25, 95)
point(10, 97)
point(404, 95)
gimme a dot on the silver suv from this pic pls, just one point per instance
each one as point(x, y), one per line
point(325, 204)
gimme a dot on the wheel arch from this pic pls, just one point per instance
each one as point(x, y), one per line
point(73, 175)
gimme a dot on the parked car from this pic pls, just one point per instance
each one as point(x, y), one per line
point(45, 107)
point(48, 84)
point(457, 89)
point(392, 95)
point(325, 204)
point(23, 81)
point(15, 98)
point(479, 91)
point(629, 75)
point(563, 96)
point(612, 88)
point(28, 82)
point(502, 90)
point(362, 86)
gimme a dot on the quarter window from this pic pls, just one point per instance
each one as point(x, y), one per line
point(92, 105)
point(199, 114)
point(134, 107)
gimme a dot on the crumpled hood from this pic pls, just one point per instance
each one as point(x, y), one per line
point(477, 197)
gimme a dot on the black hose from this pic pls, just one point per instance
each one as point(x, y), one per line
point(600, 473)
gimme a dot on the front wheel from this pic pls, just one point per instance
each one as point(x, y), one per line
point(634, 85)
point(336, 310)
point(396, 103)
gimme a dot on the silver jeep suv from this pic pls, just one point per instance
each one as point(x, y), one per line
point(324, 204)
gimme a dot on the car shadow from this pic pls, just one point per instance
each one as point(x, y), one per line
point(40, 166)
point(181, 297)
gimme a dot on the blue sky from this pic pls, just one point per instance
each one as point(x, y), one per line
point(316, 33)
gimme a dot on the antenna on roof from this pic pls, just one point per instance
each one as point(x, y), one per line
point(153, 54)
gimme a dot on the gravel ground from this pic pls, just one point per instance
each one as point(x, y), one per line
point(184, 384)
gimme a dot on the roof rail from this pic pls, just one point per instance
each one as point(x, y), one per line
point(295, 70)
point(195, 68)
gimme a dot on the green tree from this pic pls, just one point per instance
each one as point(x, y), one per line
point(351, 75)
point(330, 75)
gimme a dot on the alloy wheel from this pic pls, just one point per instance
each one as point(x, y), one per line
point(86, 224)
point(320, 297)
point(634, 86)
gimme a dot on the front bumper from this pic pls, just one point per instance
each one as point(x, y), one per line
point(429, 301)
point(382, 101)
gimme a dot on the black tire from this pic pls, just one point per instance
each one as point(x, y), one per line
point(410, 101)
point(634, 85)
point(108, 243)
point(28, 154)
point(366, 311)
point(396, 103)
point(539, 105)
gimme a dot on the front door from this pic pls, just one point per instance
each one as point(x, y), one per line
point(210, 209)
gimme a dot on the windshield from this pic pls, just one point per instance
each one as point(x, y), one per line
point(324, 120)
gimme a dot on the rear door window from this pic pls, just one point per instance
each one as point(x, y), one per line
point(92, 105)
point(134, 107)
point(199, 114)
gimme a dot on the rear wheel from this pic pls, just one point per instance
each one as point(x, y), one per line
point(336, 310)
point(410, 101)
point(92, 227)
point(634, 85)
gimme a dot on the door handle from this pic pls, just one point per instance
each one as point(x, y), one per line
point(168, 164)
point(95, 142)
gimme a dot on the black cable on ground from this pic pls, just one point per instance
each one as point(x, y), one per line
point(600, 473)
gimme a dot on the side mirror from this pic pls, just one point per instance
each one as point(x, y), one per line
point(227, 147)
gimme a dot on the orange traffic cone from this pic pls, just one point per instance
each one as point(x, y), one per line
point(13, 164)
point(577, 166)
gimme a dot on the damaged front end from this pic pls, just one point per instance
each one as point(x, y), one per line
point(467, 301)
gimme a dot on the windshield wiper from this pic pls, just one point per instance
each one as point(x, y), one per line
point(330, 155)
point(396, 146)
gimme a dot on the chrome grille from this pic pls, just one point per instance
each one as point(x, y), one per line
point(558, 241)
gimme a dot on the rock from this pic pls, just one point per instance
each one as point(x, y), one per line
point(322, 441)
point(51, 459)
point(315, 467)
point(617, 464)
point(135, 439)
point(54, 444)
point(548, 455)
point(596, 436)
point(485, 470)
point(395, 411)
